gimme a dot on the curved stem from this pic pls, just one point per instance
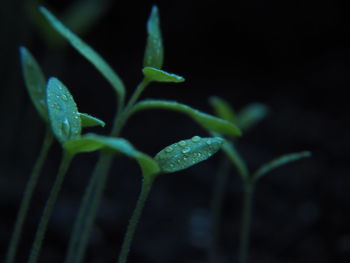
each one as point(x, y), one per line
point(27, 196)
point(50, 203)
point(145, 190)
point(216, 207)
point(94, 191)
point(246, 221)
point(135, 96)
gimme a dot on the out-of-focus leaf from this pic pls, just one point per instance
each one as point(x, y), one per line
point(90, 121)
point(251, 115)
point(283, 160)
point(187, 153)
point(93, 142)
point(209, 122)
point(158, 75)
point(62, 110)
point(154, 48)
point(35, 82)
point(222, 109)
point(91, 55)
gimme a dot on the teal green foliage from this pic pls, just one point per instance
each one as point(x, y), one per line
point(90, 121)
point(56, 106)
point(154, 53)
point(186, 153)
point(154, 74)
point(35, 82)
point(63, 112)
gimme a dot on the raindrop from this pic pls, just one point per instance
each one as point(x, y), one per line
point(196, 138)
point(169, 149)
point(186, 150)
point(64, 97)
point(182, 143)
point(65, 127)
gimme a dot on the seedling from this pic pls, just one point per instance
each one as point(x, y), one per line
point(56, 106)
point(245, 119)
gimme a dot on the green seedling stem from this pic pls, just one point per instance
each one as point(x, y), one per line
point(39, 236)
point(28, 193)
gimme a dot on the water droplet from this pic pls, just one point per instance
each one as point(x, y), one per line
point(182, 143)
point(65, 127)
point(196, 138)
point(64, 97)
point(209, 141)
point(169, 149)
point(56, 106)
point(186, 150)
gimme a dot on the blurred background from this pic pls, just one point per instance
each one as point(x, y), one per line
point(292, 56)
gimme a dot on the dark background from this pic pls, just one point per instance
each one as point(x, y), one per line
point(293, 56)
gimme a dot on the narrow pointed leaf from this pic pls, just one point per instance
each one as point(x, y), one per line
point(35, 82)
point(91, 55)
point(93, 142)
point(223, 109)
point(82, 14)
point(158, 75)
point(187, 153)
point(90, 121)
point(209, 122)
point(154, 47)
point(283, 160)
point(62, 110)
point(251, 115)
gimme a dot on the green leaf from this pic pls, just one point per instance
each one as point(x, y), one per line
point(91, 55)
point(222, 109)
point(154, 74)
point(90, 121)
point(207, 121)
point(284, 159)
point(82, 14)
point(63, 113)
point(35, 82)
point(187, 153)
point(250, 115)
point(154, 48)
point(93, 142)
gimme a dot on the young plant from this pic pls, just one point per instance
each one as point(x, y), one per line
point(245, 119)
point(153, 61)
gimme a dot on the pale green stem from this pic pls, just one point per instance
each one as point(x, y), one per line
point(216, 208)
point(27, 196)
point(246, 221)
point(50, 203)
point(94, 191)
point(145, 190)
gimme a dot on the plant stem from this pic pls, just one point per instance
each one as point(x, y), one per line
point(88, 209)
point(216, 208)
point(146, 187)
point(246, 220)
point(50, 203)
point(27, 196)
point(137, 93)
point(94, 191)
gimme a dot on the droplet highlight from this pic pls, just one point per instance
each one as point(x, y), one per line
point(196, 139)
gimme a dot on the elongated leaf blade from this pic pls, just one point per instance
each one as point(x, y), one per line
point(154, 52)
point(209, 122)
point(278, 162)
point(158, 75)
point(63, 112)
point(85, 50)
point(93, 142)
point(223, 109)
point(90, 121)
point(251, 115)
point(35, 82)
point(187, 153)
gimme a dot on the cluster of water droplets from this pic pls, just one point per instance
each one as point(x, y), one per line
point(64, 116)
point(186, 153)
